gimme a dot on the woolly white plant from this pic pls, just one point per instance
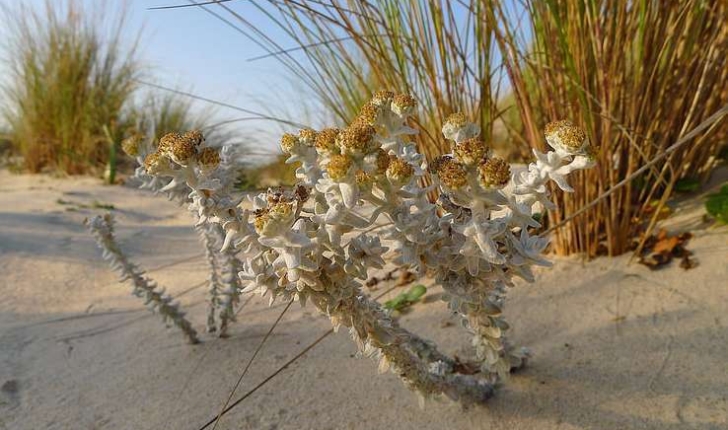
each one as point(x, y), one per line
point(223, 283)
point(102, 227)
point(315, 244)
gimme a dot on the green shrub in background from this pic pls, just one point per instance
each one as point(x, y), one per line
point(67, 83)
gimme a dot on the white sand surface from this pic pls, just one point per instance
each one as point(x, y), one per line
point(616, 346)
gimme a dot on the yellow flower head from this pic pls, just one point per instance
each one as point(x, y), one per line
point(382, 98)
point(457, 120)
point(156, 163)
point(131, 144)
point(494, 173)
point(180, 148)
point(451, 173)
point(194, 136)
point(470, 151)
point(326, 141)
point(307, 136)
point(565, 136)
point(182, 151)
point(338, 166)
point(269, 221)
point(403, 105)
point(288, 142)
point(399, 171)
point(458, 128)
point(357, 139)
point(166, 141)
point(370, 114)
point(363, 179)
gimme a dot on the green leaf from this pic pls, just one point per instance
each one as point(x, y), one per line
point(416, 292)
point(717, 204)
point(397, 302)
point(406, 299)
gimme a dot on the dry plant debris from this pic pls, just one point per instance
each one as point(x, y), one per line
point(661, 248)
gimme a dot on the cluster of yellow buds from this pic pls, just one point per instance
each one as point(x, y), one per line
point(268, 220)
point(354, 154)
point(471, 159)
point(567, 138)
point(175, 149)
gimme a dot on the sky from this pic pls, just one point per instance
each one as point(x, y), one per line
point(189, 49)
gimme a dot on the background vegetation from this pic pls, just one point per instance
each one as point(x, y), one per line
point(68, 82)
point(74, 91)
point(636, 75)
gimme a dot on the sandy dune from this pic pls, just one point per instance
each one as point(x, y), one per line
point(616, 346)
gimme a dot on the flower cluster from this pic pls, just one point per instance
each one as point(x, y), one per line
point(315, 243)
point(214, 167)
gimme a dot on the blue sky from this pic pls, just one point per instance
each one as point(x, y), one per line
point(190, 49)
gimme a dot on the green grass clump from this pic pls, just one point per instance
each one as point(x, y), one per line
point(67, 82)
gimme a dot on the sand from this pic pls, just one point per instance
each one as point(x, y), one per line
point(616, 346)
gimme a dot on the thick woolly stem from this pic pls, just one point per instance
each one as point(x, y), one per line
point(209, 241)
point(480, 304)
point(154, 297)
point(229, 293)
point(415, 360)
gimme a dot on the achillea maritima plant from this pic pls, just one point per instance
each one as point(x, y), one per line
point(314, 242)
point(223, 283)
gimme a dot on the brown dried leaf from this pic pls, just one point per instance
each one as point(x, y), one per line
point(465, 368)
point(656, 260)
point(405, 277)
point(687, 263)
point(666, 244)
